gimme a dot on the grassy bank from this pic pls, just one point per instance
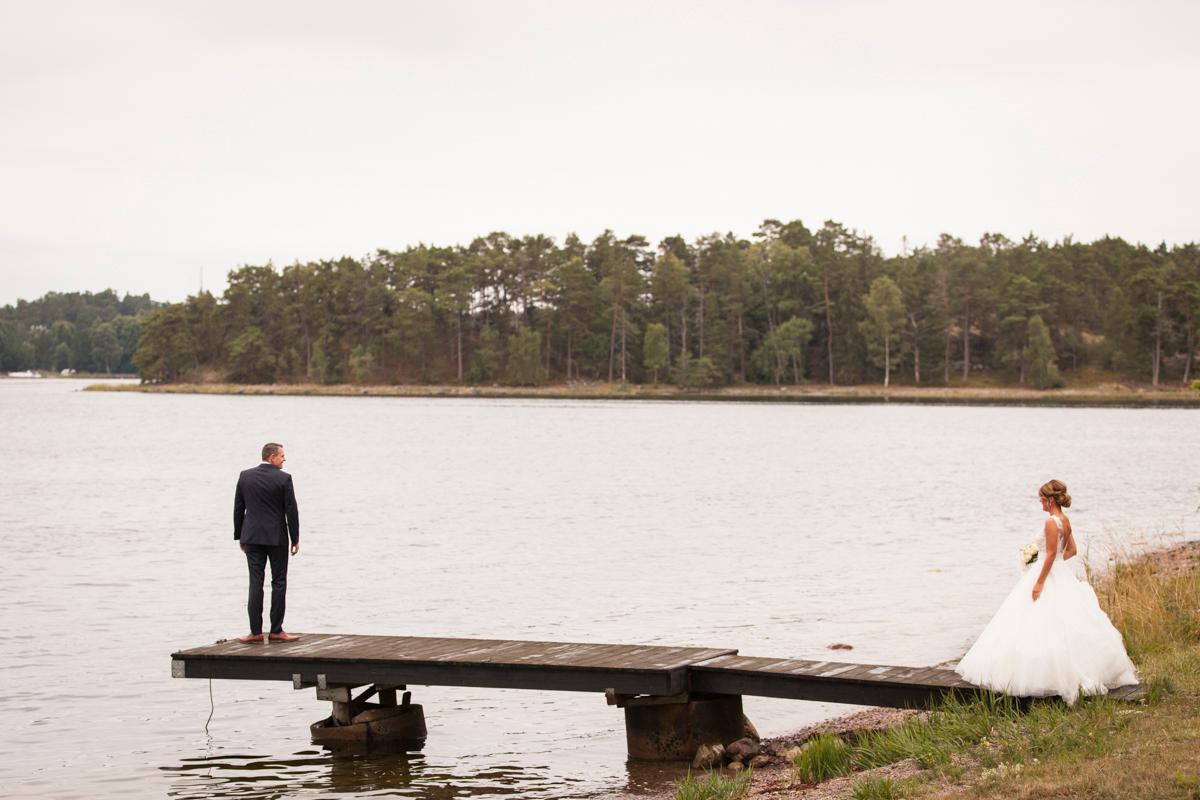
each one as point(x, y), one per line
point(1101, 395)
point(993, 748)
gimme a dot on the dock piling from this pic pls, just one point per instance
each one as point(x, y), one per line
point(358, 723)
point(672, 728)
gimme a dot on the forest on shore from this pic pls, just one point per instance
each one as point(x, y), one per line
point(82, 331)
point(786, 305)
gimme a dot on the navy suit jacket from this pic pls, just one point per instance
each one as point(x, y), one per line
point(264, 507)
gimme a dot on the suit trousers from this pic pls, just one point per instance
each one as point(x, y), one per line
point(257, 556)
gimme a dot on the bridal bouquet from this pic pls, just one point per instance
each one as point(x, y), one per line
point(1029, 554)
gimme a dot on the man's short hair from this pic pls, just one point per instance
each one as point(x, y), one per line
point(270, 449)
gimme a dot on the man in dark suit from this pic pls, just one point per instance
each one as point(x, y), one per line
point(264, 517)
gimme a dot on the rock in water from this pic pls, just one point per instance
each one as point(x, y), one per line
point(840, 646)
point(742, 750)
point(708, 756)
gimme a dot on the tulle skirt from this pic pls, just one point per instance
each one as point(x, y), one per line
point(1064, 644)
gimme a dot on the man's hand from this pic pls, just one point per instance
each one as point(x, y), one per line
point(295, 548)
point(242, 546)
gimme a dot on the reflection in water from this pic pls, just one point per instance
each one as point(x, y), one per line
point(378, 774)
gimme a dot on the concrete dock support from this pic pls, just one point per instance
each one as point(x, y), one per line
point(673, 728)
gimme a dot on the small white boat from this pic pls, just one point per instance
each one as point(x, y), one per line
point(26, 374)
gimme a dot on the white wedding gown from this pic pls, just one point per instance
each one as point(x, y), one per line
point(1063, 644)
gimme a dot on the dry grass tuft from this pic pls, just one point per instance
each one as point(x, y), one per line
point(1155, 610)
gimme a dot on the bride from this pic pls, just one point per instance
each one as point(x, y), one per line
point(1050, 636)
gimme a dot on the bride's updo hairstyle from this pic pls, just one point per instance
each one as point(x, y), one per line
point(1056, 491)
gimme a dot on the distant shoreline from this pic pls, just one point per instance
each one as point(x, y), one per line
point(1108, 396)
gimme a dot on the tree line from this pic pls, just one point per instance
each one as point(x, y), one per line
point(82, 331)
point(785, 305)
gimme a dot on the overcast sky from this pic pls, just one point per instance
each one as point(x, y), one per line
point(141, 143)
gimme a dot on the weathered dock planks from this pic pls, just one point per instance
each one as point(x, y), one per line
point(827, 681)
point(402, 660)
point(354, 660)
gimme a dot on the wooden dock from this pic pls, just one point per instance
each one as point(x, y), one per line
point(357, 660)
point(344, 659)
point(828, 681)
point(673, 696)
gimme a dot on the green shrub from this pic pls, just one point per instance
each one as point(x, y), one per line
point(697, 373)
point(825, 756)
point(874, 787)
point(714, 786)
point(525, 367)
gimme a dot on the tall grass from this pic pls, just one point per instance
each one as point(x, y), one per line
point(714, 786)
point(996, 730)
point(1155, 612)
point(825, 756)
point(874, 787)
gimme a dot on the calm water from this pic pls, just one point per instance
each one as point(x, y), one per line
point(774, 529)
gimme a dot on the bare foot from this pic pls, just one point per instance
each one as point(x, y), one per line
point(282, 637)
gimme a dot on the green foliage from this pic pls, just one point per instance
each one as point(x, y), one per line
point(16, 352)
point(1039, 355)
point(884, 323)
point(485, 361)
point(525, 359)
point(714, 786)
point(823, 757)
point(106, 347)
point(320, 368)
point(362, 364)
point(781, 305)
point(168, 349)
point(78, 330)
point(874, 787)
point(782, 352)
point(655, 350)
point(63, 357)
point(250, 359)
point(697, 373)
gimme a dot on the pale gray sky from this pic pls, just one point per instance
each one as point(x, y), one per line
point(143, 142)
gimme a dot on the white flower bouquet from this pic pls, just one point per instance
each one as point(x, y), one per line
point(1029, 554)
